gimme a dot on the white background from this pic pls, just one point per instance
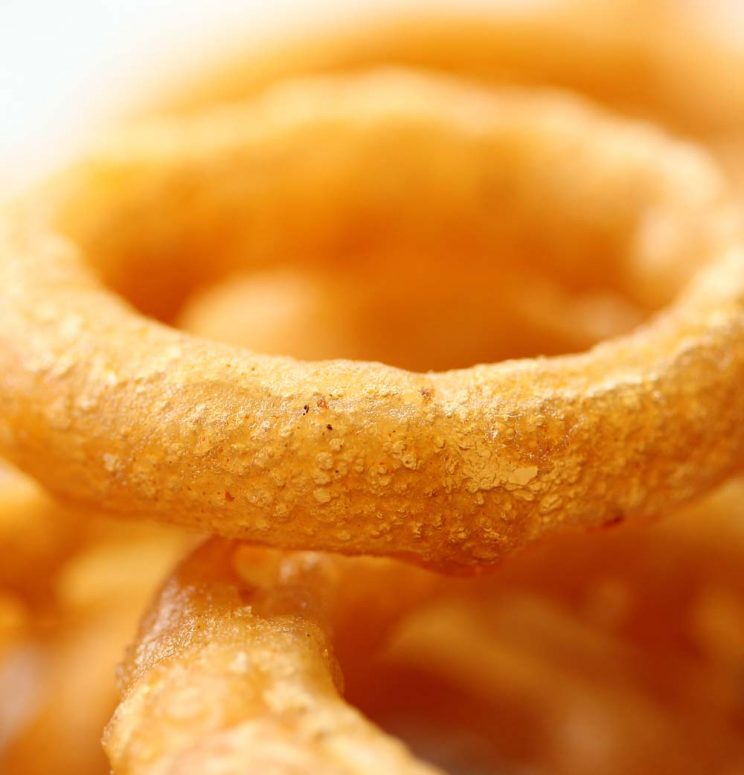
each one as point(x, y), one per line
point(64, 62)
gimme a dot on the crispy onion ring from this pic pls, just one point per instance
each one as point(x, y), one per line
point(105, 407)
point(627, 636)
point(246, 633)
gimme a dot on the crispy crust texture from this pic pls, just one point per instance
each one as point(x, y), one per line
point(235, 669)
point(257, 660)
point(106, 407)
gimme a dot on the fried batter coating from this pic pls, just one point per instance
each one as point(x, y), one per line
point(610, 653)
point(563, 664)
point(234, 671)
point(455, 468)
point(355, 216)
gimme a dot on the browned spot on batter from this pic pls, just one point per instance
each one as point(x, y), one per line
point(614, 521)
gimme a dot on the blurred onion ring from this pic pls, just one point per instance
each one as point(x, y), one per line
point(110, 409)
point(673, 63)
point(447, 322)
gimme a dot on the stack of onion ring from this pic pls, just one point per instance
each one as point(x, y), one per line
point(379, 203)
point(613, 650)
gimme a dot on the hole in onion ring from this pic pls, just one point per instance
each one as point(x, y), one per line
point(471, 463)
point(389, 218)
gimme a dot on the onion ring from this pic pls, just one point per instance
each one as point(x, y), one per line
point(235, 664)
point(257, 653)
point(104, 407)
point(72, 587)
point(653, 59)
point(661, 60)
point(37, 536)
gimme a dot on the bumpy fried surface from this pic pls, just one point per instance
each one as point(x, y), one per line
point(452, 468)
point(387, 225)
point(234, 671)
point(607, 653)
point(615, 653)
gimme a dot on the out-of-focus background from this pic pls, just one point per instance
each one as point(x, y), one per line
point(65, 66)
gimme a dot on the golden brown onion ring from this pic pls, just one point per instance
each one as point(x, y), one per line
point(453, 468)
point(613, 653)
point(673, 63)
point(234, 670)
